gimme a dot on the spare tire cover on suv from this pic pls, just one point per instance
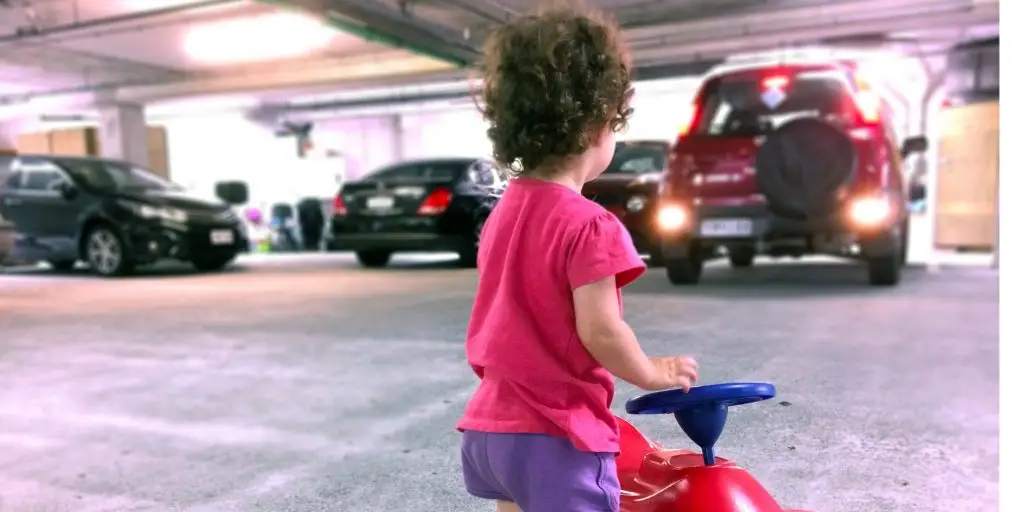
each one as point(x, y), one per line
point(802, 165)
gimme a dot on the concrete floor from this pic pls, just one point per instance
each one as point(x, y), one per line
point(313, 385)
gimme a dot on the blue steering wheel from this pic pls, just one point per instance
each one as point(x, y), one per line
point(701, 412)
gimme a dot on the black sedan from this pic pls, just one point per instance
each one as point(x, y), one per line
point(436, 205)
point(114, 215)
point(629, 189)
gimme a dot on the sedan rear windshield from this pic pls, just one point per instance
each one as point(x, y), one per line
point(434, 171)
point(754, 106)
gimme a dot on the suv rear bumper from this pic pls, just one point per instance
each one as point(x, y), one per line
point(830, 234)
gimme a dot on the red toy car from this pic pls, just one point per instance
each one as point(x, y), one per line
point(787, 160)
point(654, 479)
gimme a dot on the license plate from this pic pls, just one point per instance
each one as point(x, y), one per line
point(726, 227)
point(222, 237)
point(380, 202)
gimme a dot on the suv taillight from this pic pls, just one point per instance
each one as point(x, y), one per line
point(339, 206)
point(869, 105)
point(690, 120)
point(436, 203)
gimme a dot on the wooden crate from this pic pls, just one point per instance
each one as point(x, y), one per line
point(968, 178)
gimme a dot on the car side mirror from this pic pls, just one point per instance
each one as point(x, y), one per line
point(67, 190)
point(913, 145)
point(232, 192)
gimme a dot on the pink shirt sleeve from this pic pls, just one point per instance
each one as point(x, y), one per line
point(602, 248)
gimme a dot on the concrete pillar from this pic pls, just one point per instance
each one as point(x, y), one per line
point(122, 133)
point(931, 107)
point(397, 137)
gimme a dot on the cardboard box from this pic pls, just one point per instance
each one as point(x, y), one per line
point(967, 199)
point(86, 142)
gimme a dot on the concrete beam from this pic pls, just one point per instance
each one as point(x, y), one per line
point(341, 72)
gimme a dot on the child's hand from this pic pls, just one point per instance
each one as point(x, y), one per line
point(673, 372)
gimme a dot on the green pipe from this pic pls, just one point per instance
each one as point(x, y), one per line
point(376, 36)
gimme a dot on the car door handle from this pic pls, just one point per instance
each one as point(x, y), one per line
point(9, 201)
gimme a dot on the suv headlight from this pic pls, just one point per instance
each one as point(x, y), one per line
point(147, 211)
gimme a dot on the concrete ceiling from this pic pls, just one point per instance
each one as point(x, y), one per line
point(136, 50)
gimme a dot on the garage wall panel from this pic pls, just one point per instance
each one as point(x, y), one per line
point(446, 134)
point(366, 143)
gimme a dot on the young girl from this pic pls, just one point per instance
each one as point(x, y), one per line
point(546, 333)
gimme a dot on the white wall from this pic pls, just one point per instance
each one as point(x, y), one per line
point(207, 149)
point(203, 150)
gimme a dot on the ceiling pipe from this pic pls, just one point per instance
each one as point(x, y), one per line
point(28, 35)
point(376, 22)
point(817, 15)
point(723, 46)
point(642, 16)
point(459, 90)
point(139, 26)
point(491, 11)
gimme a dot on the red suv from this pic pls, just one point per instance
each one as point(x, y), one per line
point(785, 161)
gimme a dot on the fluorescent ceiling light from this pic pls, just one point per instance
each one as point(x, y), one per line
point(257, 38)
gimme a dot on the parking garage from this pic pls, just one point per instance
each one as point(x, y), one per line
point(297, 377)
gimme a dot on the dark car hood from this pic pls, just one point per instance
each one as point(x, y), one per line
point(174, 199)
point(622, 182)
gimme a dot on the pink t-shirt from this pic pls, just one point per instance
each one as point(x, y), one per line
point(541, 242)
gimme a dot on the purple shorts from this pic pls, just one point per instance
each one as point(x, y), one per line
point(540, 473)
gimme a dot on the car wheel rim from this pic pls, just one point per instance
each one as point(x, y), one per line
point(104, 252)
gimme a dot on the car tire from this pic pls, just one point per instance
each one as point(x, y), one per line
point(885, 270)
point(905, 243)
point(106, 252)
point(212, 264)
point(62, 265)
point(655, 258)
point(742, 257)
point(467, 257)
point(468, 254)
point(373, 259)
point(684, 271)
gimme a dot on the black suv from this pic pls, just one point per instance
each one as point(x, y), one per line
point(111, 214)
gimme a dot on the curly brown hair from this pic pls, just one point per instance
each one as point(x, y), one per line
point(551, 81)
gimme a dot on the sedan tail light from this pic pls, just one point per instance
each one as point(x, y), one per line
point(436, 203)
point(339, 206)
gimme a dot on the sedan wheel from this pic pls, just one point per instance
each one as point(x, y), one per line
point(106, 253)
point(467, 256)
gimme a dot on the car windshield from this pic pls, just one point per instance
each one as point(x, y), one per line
point(115, 176)
point(753, 106)
point(637, 158)
point(447, 171)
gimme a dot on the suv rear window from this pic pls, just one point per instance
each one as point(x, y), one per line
point(750, 106)
point(448, 171)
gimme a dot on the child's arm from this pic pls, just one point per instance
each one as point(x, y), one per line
point(612, 343)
